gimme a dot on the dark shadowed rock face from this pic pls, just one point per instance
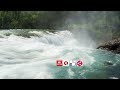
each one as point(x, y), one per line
point(113, 46)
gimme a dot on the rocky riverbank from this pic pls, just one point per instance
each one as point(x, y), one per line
point(112, 45)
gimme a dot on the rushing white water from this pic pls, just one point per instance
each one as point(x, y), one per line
point(36, 57)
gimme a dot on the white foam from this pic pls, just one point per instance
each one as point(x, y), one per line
point(29, 57)
point(114, 78)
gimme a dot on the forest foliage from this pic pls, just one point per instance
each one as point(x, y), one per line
point(98, 23)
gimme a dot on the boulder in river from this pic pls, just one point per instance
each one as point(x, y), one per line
point(112, 45)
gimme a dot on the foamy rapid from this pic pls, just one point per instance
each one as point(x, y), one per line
point(35, 57)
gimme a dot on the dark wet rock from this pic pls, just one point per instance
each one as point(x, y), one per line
point(1, 37)
point(7, 34)
point(27, 35)
point(112, 45)
point(108, 63)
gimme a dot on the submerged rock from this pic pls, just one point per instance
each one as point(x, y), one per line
point(112, 45)
point(108, 63)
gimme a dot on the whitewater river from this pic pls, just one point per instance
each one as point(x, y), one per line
point(35, 57)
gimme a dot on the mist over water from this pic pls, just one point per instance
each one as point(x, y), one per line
point(35, 57)
point(94, 27)
point(84, 38)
